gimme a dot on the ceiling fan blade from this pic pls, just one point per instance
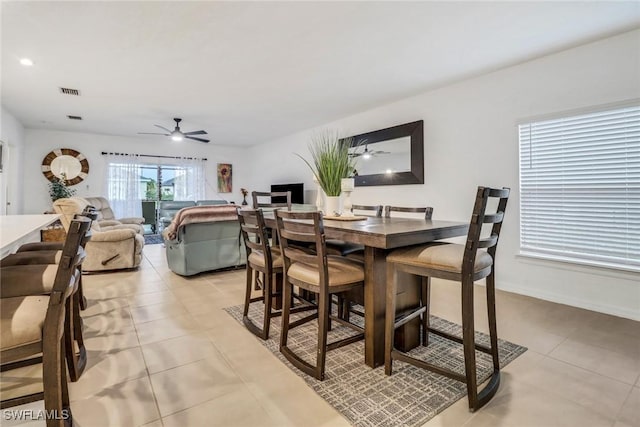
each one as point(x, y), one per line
point(196, 132)
point(152, 133)
point(197, 139)
point(163, 128)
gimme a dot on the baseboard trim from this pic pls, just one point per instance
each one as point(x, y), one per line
point(572, 301)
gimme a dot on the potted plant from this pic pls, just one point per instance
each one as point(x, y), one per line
point(330, 163)
point(58, 188)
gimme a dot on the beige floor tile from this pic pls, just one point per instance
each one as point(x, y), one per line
point(613, 340)
point(107, 370)
point(211, 318)
point(127, 404)
point(116, 320)
point(188, 385)
point(168, 354)
point(98, 306)
point(164, 329)
point(630, 413)
point(158, 311)
point(109, 342)
point(597, 359)
point(193, 291)
point(595, 392)
point(157, 423)
point(150, 298)
point(300, 408)
point(237, 408)
point(534, 407)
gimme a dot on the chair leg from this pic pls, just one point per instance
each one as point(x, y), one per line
point(468, 342)
point(268, 300)
point(52, 368)
point(69, 341)
point(426, 301)
point(392, 284)
point(286, 311)
point(82, 298)
point(78, 337)
point(324, 307)
point(491, 314)
point(247, 295)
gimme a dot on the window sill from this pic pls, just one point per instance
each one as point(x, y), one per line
point(586, 266)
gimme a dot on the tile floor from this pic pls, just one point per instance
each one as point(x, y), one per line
point(163, 353)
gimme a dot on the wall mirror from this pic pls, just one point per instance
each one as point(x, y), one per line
point(67, 163)
point(391, 156)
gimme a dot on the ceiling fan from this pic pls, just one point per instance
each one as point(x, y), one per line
point(176, 134)
point(366, 154)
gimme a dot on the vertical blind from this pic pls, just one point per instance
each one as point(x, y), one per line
point(580, 188)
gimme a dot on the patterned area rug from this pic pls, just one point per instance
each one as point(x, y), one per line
point(367, 397)
point(153, 239)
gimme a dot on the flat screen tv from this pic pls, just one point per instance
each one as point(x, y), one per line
point(297, 193)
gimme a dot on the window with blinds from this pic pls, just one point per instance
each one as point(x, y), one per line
point(580, 188)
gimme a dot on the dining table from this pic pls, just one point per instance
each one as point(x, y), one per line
point(380, 236)
point(16, 230)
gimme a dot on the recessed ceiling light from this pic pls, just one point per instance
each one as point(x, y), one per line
point(26, 62)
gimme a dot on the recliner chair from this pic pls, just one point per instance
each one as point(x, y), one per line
point(105, 213)
point(111, 247)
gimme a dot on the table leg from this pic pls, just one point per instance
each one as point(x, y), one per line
point(375, 276)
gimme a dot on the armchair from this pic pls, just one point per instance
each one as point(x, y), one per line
point(168, 209)
point(111, 247)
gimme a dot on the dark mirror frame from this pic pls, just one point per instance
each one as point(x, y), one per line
point(415, 130)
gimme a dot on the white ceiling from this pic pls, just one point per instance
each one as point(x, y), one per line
point(250, 71)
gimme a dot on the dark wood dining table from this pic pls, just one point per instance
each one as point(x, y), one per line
point(380, 236)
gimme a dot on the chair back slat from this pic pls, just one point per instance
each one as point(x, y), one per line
point(255, 195)
point(488, 242)
point(427, 211)
point(493, 218)
point(480, 217)
point(294, 227)
point(377, 209)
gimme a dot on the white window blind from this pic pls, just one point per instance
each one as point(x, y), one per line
point(580, 188)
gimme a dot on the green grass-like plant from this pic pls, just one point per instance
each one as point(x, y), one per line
point(330, 160)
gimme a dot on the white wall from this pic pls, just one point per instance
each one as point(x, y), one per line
point(11, 188)
point(41, 142)
point(471, 139)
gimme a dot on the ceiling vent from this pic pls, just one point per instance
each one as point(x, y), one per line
point(67, 91)
point(74, 117)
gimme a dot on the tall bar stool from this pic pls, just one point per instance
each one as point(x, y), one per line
point(462, 263)
point(261, 258)
point(34, 271)
point(314, 271)
point(31, 325)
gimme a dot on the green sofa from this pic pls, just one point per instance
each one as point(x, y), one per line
point(204, 245)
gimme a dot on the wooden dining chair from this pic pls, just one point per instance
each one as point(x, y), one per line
point(427, 211)
point(376, 210)
point(313, 270)
point(461, 263)
point(32, 325)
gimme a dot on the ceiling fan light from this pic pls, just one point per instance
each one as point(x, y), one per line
point(176, 138)
point(366, 156)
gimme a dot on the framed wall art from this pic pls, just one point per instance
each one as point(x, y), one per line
point(225, 178)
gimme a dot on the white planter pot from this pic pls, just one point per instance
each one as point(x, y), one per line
point(332, 206)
